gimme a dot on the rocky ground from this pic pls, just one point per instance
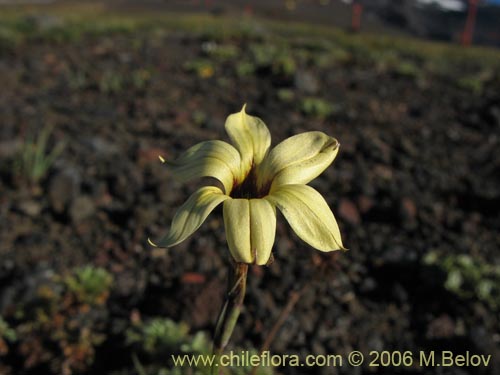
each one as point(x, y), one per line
point(415, 189)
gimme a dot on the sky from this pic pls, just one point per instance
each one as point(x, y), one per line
point(454, 5)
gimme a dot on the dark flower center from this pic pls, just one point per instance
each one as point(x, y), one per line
point(248, 189)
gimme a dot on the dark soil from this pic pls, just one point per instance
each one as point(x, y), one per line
point(418, 173)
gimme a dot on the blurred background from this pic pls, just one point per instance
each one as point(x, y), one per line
point(92, 92)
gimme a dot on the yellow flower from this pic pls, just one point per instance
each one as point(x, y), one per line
point(256, 181)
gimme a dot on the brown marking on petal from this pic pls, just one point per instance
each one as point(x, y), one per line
point(248, 189)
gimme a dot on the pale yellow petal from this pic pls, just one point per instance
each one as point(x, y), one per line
point(262, 229)
point(298, 159)
point(192, 214)
point(237, 226)
point(309, 216)
point(215, 159)
point(250, 136)
point(250, 229)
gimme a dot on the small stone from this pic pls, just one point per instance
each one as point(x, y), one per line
point(102, 148)
point(129, 284)
point(368, 285)
point(408, 209)
point(375, 342)
point(30, 208)
point(441, 327)
point(349, 212)
point(63, 188)
point(305, 81)
point(81, 208)
point(395, 255)
point(145, 216)
point(365, 204)
point(9, 148)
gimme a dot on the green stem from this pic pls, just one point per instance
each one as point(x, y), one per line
point(231, 309)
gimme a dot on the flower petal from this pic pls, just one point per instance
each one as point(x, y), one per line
point(298, 159)
point(250, 229)
point(192, 214)
point(250, 136)
point(215, 159)
point(309, 216)
point(237, 223)
point(262, 229)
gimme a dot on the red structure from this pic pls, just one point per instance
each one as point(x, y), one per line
point(470, 23)
point(248, 10)
point(357, 9)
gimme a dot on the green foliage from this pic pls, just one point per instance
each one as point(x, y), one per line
point(337, 56)
point(203, 68)
point(111, 82)
point(269, 56)
point(6, 332)
point(199, 117)
point(7, 335)
point(162, 335)
point(35, 159)
point(140, 78)
point(263, 54)
point(286, 95)
point(475, 82)
point(90, 284)
point(159, 334)
point(77, 80)
point(9, 39)
point(407, 68)
point(64, 322)
point(396, 62)
point(469, 278)
point(222, 52)
point(284, 65)
point(316, 107)
point(245, 68)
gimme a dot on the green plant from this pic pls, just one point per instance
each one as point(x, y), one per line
point(203, 68)
point(475, 82)
point(9, 39)
point(162, 335)
point(336, 56)
point(468, 277)
point(286, 95)
point(223, 52)
point(284, 64)
point(276, 58)
point(35, 160)
point(90, 284)
point(199, 117)
point(6, 334)
point(159, 334)
point(245, 68)
point(111, 82)
point(263, 54)
point(316, 107)
point(64, 322)
point(140, 78)
point(407, 68)
point(77, 80)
